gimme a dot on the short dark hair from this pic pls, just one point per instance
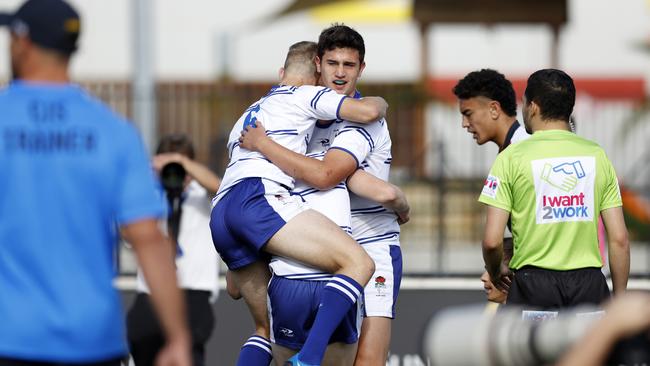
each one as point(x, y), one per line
point(340, 36)
point(490, 84)
point(553, 91)
point(176, 143)
point(301, 57)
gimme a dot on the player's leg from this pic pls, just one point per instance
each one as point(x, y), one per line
point(374, 342)
point(281, 354)
point(380, 296)
point(311, 238)
point(340, 354)
point(251, 282)
point(337, 354)
point(249, 274)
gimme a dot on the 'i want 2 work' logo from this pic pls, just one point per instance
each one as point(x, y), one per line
point(564, 189)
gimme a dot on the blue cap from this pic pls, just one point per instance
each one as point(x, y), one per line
point(51, 24)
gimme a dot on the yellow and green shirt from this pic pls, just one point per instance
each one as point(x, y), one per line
point(554, 184)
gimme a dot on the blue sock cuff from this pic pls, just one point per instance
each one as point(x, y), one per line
point(345, 286)
point(259, 342)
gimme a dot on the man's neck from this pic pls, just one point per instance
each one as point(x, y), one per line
point(45, 73)
point(502, 131)
point(551, 124)
point(294, 80)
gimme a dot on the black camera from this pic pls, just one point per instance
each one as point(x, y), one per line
point(172, 177)
point(466, 335)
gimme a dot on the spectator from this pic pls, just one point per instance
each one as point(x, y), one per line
point(196, 260)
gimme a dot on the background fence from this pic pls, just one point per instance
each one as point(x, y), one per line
point(435, 161)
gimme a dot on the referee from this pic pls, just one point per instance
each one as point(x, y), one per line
point(71, 170)
point(553, 186)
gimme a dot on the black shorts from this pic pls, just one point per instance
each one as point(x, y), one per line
point(544, 289)
point(145, 334)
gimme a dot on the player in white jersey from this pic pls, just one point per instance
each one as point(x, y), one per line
point(367, 147)
point(254, 210)
point(302, 284)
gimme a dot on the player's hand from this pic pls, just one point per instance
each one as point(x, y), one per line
point(403, 216)
point(252, 136)
point(175, 353)
point(503, 279)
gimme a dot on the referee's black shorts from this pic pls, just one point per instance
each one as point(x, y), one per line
point(545, 289)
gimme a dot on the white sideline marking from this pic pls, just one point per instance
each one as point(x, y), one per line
point(128, 283)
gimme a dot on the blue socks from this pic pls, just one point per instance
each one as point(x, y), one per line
point(255, 352)
point(340, 293)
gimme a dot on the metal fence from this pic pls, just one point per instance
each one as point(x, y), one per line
point(434, 160)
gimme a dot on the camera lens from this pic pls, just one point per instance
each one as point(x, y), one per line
point(172, 177)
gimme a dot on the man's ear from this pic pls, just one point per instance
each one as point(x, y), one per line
point(533, 109)
point(361, 68)
point(494, 109)
point(317, 61)
point(281, 73)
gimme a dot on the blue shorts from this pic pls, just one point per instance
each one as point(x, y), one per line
point(247, 216)
point(292, 309)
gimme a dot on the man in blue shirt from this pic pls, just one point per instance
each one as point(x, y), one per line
point(71, 169)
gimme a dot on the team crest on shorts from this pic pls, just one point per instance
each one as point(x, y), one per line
point(281, 199)
point(380, 285)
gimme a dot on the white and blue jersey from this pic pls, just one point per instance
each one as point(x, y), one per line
point(295, 289)
point(371, 222)
point(333, 203)
point(374, 226)
point(72, 169)
point(254, 200)
point(288, 114)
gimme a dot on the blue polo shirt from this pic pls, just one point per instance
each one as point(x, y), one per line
point(71, 172)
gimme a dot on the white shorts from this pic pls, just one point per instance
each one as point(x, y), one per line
point(381, 291)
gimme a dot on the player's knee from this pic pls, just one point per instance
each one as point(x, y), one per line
point(366, 267)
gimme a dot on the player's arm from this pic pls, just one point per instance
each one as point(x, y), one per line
point(388, 195)
point(364, 110)
point(203, 175)
point(155, 257)
point(618, 247)
point(492, 245)
point(334, 168)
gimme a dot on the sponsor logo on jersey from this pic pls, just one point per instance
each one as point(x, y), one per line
point(564, 189)
point(325, 143)
point(491, 186)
